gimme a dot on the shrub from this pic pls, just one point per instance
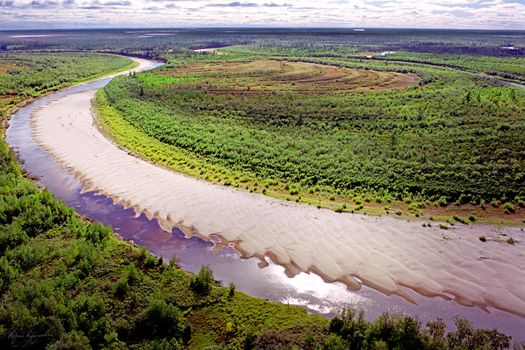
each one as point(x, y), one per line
point(91, 318)
point(509, 208)
point(340, 208)
point(250, 340)
point(414, 208)
point(442, 201)
point(121, 287)
point(160, 320)
point(483, 238)
point(7, 273)
point(231, 290)
point(203, 281)
point(71, 340)
point(96, 232)
point(460, 219)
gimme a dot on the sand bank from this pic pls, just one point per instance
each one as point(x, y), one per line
point(388, 254)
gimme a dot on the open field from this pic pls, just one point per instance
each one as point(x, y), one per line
point(339, 133)
point(268, 76)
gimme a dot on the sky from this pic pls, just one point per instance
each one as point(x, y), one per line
point(467, 14)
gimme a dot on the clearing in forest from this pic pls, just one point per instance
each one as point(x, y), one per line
point(263, 76)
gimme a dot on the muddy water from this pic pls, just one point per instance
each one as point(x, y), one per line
point(270, 283)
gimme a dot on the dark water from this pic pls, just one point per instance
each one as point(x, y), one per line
point(270, 283)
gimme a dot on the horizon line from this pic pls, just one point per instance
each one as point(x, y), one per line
point(94, 27)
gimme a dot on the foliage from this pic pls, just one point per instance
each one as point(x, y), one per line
point(68, 283)
point(60, 277)
point(203, 281)
point(350, 331)
point(25, 75)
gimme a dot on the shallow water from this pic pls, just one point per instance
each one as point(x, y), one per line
point(270, 283)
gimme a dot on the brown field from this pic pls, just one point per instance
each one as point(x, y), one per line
point(5, 67)
point(261, 76)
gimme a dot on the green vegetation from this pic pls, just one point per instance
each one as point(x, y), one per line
point(73, 281)
point(68, 283)
point(512, 68)
point(342, 130)
point(25, 75)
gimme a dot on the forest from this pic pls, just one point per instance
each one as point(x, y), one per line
point(333, 131)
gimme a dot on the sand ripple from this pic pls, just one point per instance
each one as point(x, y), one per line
point(388, 254)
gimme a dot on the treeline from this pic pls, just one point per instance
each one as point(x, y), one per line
point(507, 68)
point(28, 75)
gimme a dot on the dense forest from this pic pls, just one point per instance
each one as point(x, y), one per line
point(334, 129)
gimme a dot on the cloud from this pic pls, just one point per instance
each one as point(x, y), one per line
point(234, 4)
point(43, 4)
point(488, 14)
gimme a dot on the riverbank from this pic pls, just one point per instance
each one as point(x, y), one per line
point(387, 254)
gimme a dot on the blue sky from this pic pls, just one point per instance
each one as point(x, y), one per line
point(482, 14)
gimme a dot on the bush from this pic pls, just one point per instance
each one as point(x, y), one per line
point(7, 273)
point(203, 281)
point(160, 320)
point(91, 318)
point(71, 340)
point(460, 219)
point(231, 290)
point(96, 232)
point(121, 287)
point(509, 208)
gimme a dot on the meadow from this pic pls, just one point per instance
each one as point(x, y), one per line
point(343, 132)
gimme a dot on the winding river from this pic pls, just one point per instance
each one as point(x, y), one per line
point(375, 264)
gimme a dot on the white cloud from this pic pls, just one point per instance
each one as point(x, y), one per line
point(488, 14)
